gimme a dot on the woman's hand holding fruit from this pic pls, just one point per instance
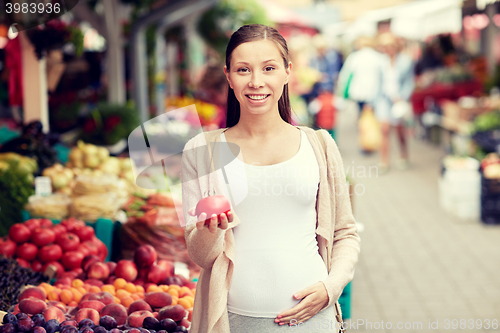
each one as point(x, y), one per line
point(215, 221)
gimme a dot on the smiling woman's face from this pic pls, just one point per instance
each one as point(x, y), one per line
point(257, 75)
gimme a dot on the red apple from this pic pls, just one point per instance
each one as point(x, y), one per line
point(145, 256)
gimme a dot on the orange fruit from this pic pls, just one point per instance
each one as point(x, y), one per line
point(141, 295)
point(109, 288)
point(185, 291)
point(164, 287)
point(173, 292)
point(126, 301)
point(186, 304)
point(47, 288)
point(190, 299)
point(117, 300)
point(82, 290)
point(135, 297)
point(130, 287)
point(77, 295)
point(174, 300)
point(120, 283)
point(53, 296)
point(77, 283)
point(140, 289)
point(190, 314)
point(174, 286)
point(73, 304)
point(121, 293)
point(66, 296)
point(95, 289)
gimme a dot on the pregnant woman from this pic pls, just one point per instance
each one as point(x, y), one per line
point(283, 254)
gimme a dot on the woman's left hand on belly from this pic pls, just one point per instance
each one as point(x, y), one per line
point(314, 298)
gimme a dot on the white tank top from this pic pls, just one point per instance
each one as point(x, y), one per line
point(275, 243)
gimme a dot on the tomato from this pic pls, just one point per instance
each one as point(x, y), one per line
point(36, 266)
point(91, 247)
point(23, 263)
point(57, 265)
point(43, 236)
point(68, 241)
point(83, 249)
point(46, 223)
point(58, 229)
point(27, 251)
point(102, 249)
point(19, 233)
point(71, 223)
point(50, 253)
point(72, 260)
point(32, 224)
point(214, 204)
point(84, 233)
point(8, 248)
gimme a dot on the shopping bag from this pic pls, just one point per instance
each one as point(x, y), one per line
point(370, 135)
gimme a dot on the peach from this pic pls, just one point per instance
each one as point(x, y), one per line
point(157, 274)
point(111, 266)
point(102, 296)
point(88, 261)
point(168, 265)
point(184, 322)
point(53, 312)
point(175, 312)
point(94, 282)
point(116, 311)
point(57, 304)
point(137, 318)
point(139, 305)
point(32, 305)
point(96, 305)
point(91, 314)
point(98, 271)
point(158, 299)
point(126, 269)
point(35, 292)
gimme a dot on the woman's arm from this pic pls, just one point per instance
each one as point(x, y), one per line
point(346, 241)
point(202, 245)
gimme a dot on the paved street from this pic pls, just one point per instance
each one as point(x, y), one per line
point(418, 263)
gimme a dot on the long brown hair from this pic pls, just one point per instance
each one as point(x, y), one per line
point(251, 33)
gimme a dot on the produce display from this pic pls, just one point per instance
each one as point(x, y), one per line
point(136, 296)
point(55, 206)
point(148, 209)
point(490, 166)
point(12, 277)
point(38, 244)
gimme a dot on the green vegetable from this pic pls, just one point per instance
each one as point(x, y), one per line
point(487, 121)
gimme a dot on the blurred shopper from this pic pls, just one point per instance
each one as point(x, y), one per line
point(360, 76)
point(392, 105)
point(328, 62)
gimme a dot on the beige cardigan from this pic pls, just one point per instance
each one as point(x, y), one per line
point(336, 232)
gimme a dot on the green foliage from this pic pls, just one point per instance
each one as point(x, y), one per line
point(217, 24)
point(109, 123)
point(15, 189)
point(76, 38)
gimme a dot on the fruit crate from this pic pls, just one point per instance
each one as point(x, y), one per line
point(105, 229)
point(345, 302)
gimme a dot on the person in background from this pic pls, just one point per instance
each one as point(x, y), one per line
point(392, 104)
point(361, 73)
point(328, 62)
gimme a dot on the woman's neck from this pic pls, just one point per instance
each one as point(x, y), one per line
point(260, 126)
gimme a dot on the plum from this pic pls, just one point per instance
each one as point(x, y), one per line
point(8, 328)
point(52, 326)
point(69, 329)
point(25, 325)
point(21, 315)
point(86, 323)
point(86, 329)
point(168, 325)
point(114, 330)
point(182, 329)
point(38, 329)
point(100, 329)
point(151, 323)
point(108, 322)
point(9, 318)
point(39, 320)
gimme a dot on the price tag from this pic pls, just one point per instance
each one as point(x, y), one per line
point(43, 186)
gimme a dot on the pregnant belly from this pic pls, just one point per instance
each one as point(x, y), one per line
point(264, 282)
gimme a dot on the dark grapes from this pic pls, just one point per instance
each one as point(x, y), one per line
point(52, 326)
point(108, 322)
point(39, 320)
point(181, 329)
point(151, 323)
point(12, 278)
